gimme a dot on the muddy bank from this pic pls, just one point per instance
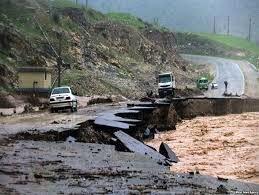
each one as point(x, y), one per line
point(215, 147)
point(192, 107)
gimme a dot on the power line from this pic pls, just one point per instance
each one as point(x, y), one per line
point(45, 36)
point(58, 54)
point(41, 29)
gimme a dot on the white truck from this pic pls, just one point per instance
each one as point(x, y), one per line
point(166, 84)
point(62, 98)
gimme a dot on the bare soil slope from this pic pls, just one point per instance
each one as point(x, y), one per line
point(106, 57)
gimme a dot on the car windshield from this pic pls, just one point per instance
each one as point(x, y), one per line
point(164, 78)
point(60, 90)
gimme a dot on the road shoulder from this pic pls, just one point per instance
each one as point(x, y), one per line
point(251, 79)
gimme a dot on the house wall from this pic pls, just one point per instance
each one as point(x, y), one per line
point(26, 79)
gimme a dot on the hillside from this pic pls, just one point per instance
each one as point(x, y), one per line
point(107, 56)
point(218, 45)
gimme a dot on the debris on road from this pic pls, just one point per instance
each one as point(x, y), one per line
point(138, 147)
point(166, 151)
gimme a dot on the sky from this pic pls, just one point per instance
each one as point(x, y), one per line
point(191, 15)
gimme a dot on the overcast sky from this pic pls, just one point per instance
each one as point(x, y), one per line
point(191, 15)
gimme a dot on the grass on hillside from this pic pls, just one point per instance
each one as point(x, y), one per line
point(218, 45)
point(126, 19)
point(134, 21)
point(251, 49)
point(232, 41)
point(64, 4)
point(90, 13)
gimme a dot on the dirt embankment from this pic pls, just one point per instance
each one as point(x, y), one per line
point(106, 57)
point(225, 146)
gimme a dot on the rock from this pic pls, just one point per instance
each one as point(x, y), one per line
point(168, 153)
point(222, 179)
point(222, 189)
point(54, 122)
point(138, 147)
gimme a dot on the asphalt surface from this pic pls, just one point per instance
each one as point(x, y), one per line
point(225, 70)
point(46, 121)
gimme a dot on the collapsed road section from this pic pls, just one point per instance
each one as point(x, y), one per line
point(106, 155)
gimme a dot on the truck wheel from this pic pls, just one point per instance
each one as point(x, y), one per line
point(52, 110)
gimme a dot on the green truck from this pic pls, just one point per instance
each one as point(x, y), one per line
point(203, 83)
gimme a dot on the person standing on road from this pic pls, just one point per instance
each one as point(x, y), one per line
point(226, 86)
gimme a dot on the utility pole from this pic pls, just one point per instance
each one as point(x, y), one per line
point(86, 3)
point(49, 4)
point(59, 59)
point(214, 25)
point(228, 24)
point(250, 28)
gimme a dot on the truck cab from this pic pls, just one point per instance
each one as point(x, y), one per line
point(203, 83)
point(166, 84)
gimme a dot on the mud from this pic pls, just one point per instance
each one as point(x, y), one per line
point(224, 146)
point(85, 133)
point(192, 107)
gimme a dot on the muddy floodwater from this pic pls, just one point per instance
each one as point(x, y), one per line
point(225, 146)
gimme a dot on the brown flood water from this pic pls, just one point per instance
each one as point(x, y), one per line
point(225, 146)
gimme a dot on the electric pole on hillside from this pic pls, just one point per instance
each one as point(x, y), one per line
point(228, 24)
point(250, 28)
point(59, 59)
point(214, 25)
point(50, 6)
point(86, 3)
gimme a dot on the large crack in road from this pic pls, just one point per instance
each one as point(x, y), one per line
point(62, 161)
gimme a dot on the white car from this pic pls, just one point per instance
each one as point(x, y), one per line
point(214, 85)
point(62, 98)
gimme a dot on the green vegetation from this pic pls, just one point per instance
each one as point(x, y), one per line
point(64, 4)
point(94, 15)
point(126, 19)
point(250, 49)
point(133, 21)
point(231, 41)
point(218, 45)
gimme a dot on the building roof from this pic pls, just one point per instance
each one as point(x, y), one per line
point(33, 69)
